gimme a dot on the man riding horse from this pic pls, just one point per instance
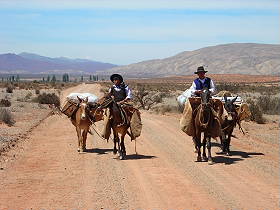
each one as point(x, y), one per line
point(120, 91)
point(121, 114)
point(201, 82)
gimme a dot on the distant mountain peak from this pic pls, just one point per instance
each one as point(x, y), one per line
point(33, 63)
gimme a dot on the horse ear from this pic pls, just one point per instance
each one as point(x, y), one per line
point(225, 98)
point(80, 100)
point(234, 99)
point(86, 100)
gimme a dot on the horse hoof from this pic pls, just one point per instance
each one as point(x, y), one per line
point(198, 159)
point(115, 151)
point(210, 161)
point(204, 158)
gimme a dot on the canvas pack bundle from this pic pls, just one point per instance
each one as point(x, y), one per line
point(69, 108)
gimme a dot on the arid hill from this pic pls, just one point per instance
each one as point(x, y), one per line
point(247, 58)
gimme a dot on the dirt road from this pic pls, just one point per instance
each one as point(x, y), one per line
point(49, 173)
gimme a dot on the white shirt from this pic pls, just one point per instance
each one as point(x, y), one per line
point(127, 91)
point(212, 87)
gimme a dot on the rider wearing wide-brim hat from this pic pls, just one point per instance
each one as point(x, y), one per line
point(120, 91)
point(201, 82)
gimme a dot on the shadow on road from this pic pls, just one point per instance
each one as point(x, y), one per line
point(231, 159)
point(99, 151)
point(137, 157)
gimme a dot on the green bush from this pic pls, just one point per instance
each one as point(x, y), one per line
point(49, 98)
point(6, 116)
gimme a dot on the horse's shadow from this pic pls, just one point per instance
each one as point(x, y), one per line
point(137, 157)
point(99, 151)
point(232, 159)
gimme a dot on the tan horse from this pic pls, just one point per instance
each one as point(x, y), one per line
point(83, 119)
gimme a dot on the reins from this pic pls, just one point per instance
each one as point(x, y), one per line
point(200, 113)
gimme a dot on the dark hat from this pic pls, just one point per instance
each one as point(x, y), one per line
point(116, 76)
point(200, 69)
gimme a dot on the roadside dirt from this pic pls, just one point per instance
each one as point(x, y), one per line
point(48, 172)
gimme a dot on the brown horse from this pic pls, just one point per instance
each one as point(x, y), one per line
point(203, 121)
point(85, 115)
point(117, 123)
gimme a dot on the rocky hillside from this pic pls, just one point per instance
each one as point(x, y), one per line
point(247, 58)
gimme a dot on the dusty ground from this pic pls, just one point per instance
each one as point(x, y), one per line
point(26, 114)
point(48, 173)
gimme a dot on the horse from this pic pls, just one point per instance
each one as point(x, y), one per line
point(118, 123)
point(85, 115)
point(228, 124)
point(203, 120)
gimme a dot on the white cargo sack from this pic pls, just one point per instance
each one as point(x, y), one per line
point(181, 99)
point(73, 97)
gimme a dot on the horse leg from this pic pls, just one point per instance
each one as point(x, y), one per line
point(204, 158)
point(228, 144)
point(123, 151)
point(198, 144)
point(195, 146)
point(223, 143)
point(116, 140)
point(208, 143)
point(85, 131)
point(79, 137)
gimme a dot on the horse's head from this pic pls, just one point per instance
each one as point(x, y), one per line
point(83, 103)
point(205, 97)
point(105, 101)
point(230, 108)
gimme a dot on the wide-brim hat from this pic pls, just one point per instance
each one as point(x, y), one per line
point(200, 69)
point(116, 76)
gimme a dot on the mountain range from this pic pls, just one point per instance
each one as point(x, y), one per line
point(237, 58)
point(28, 63)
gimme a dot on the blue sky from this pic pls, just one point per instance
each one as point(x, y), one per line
point(128, 31)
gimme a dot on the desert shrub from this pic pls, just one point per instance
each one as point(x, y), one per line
point(256, 113)
point(49, 98)
point(37, 91)
point(5, 103)
point(6, 116)
point(162, 109)
point(9, 89)
point(28, 96)
point(145, 98)
point(269, 104)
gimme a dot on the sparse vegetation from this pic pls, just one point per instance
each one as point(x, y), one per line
point(145, 99)
point(9, 89)
point(37, 91)
point(6, 116)
point(49, 98)
point(256, 113)
point(5, 103)
point(269, 104)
